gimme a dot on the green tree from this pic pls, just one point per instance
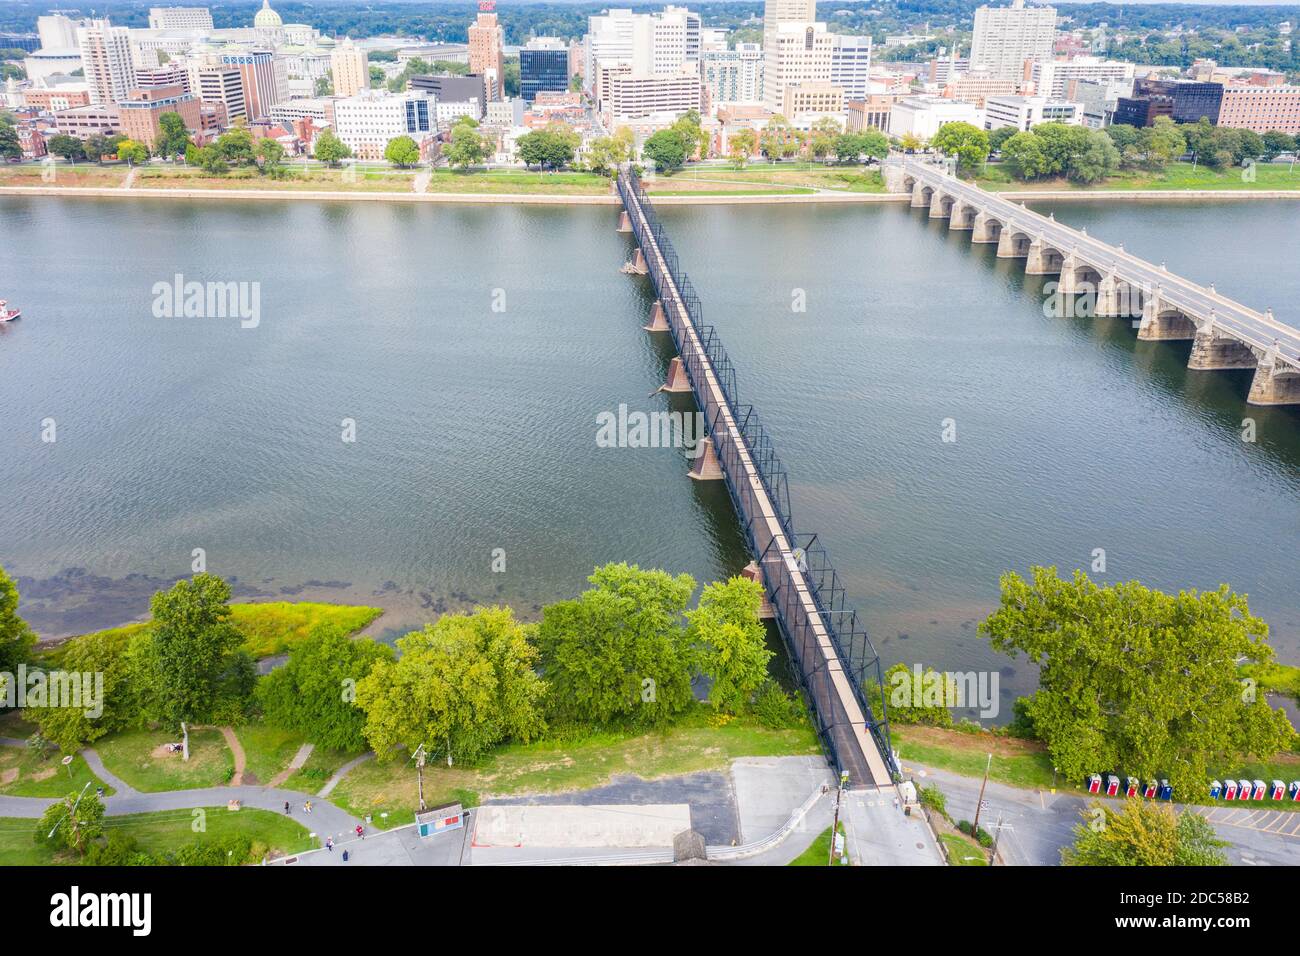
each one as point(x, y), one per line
point(510, 75)
point(467, 147)
point(330, 149)
point(189, 664)
point(779, 139)
point(1143, 834)
point(666, 149)
point(999, 137)
point(607, 153)
point(103, 653)
point(968, 143)
point(1136, 680)
point(730, 642)
point(67, 147)
point(742, 143)
point(236, 146)
point(97, 147)
point(72, 823)
point(1099, 160)
point(1060, 143)
point(402, 151)
point(10, 148)
point(132, 152)
point(1023, 152)
point(619, 651)
point(270, 152)
point(16, 638)
point(313, 693)
point(1162, 143)
point(173, 137)
point(462, 685)
point(1276, 143)
point(547, 148)
point(909, 700)
point(822, 137)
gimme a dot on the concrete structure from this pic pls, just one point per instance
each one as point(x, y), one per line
point(455, 89)
point(1005, 37)
point(1026, 112)
point(263, 78)
point(1261, 108)
point(851, 65)
point(799, 53)
point(50, 62)
point(223, 86)
point(733, 76)
point(486, 50)
point(923, 115)
point(84, 121)
point(368, 121)
point(1225, 334)
point(630, 97)
point(180, 18)
point(56, 98)
point(141, 110)
point(173, 74)
point(978, 87)
point(106, 60)
point(1052, 78)
point(350, 67)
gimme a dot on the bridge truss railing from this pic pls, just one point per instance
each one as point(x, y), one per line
point(747, 442)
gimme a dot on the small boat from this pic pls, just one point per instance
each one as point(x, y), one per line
point(8, 314)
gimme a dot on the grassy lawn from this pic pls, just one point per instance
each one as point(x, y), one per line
point(269, 629)
point(320, 766)
point(267, 750)
point(137, 757)
point(14, 724)
point(963, 852)
point(273, 628)
point(518, 181)
point(794, 177)
point(819, 853)
point(1177, 176)
point(24, 774)
point(161, 833)
point(557, 766)
point(64, 175)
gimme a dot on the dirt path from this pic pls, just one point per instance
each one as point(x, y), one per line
point(237, 749)
point(296, 763)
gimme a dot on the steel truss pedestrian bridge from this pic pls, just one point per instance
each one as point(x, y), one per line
point(830, 650)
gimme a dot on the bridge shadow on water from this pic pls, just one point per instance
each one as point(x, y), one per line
point(1215, 398)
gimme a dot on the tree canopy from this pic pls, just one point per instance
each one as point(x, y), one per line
point(729, 641)
point(1135, 681)
point(1143, 834)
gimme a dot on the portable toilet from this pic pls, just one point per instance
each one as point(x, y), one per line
point(1216, 790)
point(1133, 786)
point(1244, 789)
point(1094, 783)
point(1279, 790)
point(1295, 790)
point(1165, 792)
point(1150, 791)
point(1261, 788)
point(1112, 785)
point(1230, 790)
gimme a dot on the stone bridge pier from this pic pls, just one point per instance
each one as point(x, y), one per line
point(1162, 322)
point(1013, 244)
point(985, 228)
point(1275, 382)
point(1214, 349)
point(1042, 259)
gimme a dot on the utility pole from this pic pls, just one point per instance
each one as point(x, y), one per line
point(997, 835)
point(419, 770)
point(835, 826)
point(975, 827)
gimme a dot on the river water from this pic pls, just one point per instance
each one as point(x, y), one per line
point(473, 348)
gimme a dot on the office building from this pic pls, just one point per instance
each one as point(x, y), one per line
point(1005, 37)
point(264, 78)
point(1052, 77)
point(543, 66)
point(1261, 108)
point(180, 18)
point(221, 85)
point(368, 121)
point(351, 69)
point(1025, 112)
point(487, 50)
point(851, 65)
point(106, 61)
point(141, 110)
point(455, 89)
point(795, 53)
point(921, 116)
point(630, 97)
point(733, 76)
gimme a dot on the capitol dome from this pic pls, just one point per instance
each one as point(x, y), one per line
point(267, 18)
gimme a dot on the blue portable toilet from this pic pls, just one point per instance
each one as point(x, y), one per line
point(1295, 790)
point(1166, 792)
point(1216, 790)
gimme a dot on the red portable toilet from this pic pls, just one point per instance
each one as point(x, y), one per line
point(1244, 789)
point(1112, 785)
point(1260, 789)
point(1133, 786)
point(1094, 783)
point(1150, 791)
point(1295, 790)
point(1230, 790)
point(1279, 790)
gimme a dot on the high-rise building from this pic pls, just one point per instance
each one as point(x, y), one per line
point(1261, 108)
point(368, 121)
point(57, 32)
point(180, 18)
point(664, 43)
point(222, 85)
point(1005, 37)
point(543, 66)
point(469, 89)
point(851, 65)
point(264, 78)
point(733, 76)
point(173, 74)
point(1052, 77)
point(795, 53)
point(351, 68)
point(487, 49)
point(106, 60)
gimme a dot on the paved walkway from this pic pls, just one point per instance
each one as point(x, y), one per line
point(97, 767)
point(295, 764)
point(342, 772)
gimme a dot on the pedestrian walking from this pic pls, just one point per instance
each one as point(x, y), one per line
point(361, 833)
point(306, 807)
point(329, 844)
point(286, 807)
point(345, 856)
